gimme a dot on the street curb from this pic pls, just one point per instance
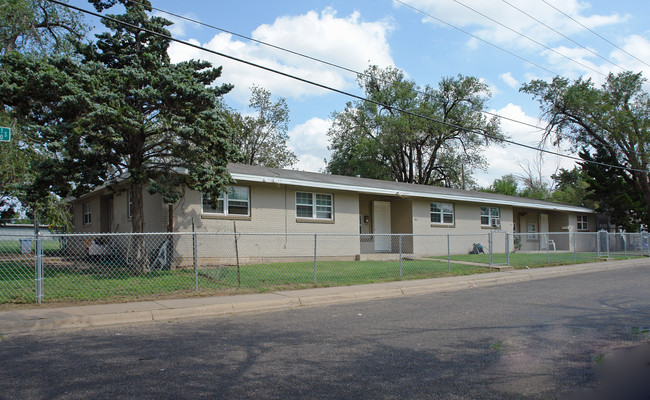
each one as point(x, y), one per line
point(50, 319)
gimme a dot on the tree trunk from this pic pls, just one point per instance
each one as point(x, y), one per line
point(140, 262)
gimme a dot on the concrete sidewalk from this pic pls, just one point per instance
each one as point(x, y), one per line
point(46, 319)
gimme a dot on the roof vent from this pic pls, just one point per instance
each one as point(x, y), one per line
point(358, 176)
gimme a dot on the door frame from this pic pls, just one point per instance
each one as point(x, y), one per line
point(381, 225)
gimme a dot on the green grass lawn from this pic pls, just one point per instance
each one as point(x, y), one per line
point(13, 246)
point(522, 260)
point(104, 282)
point(331, 273)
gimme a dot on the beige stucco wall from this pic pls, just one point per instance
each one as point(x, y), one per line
point(109, 215)
point(102, 220)
point(272, 210)
point(563, 226)
point(155, 213)
point(95, 219)
point(465, 231)
point(582, 240)
point(557, 222)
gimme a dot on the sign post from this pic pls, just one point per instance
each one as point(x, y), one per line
point(5, 134)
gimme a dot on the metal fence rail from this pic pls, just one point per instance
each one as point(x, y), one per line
point(71, 267)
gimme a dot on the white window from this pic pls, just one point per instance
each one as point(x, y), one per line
point(532, 231)
point(87, 216)
point(583, 223)
point(314, 205)
point(129, 204)
point(490, 216)
point(235, 200)
point(442, 213)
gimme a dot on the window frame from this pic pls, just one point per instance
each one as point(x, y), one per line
point(582, 222)
point(494, 220)
point(224, 203)
point(86, 213)
point(441, 213)
point(315, 206)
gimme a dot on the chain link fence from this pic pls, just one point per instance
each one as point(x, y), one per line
point(79, 267)
point(576, 247)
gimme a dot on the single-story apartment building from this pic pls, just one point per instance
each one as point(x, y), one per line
point(289, 202)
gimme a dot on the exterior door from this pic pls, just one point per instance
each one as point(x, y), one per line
point(381, 224)
point(106, 214)
point(543, 230)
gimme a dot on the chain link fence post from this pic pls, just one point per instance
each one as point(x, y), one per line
point(507, 248)
point(195, 260)
point(598, 245)
point(400, 256)
point(575, 248)
point(39, 262)
point(490, 247)
point(448, 255)
point(315, 242)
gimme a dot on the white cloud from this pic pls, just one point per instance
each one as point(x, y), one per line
point(308, 162)
point(498, 22)
point(309, 141)
point(634, 48)
point(639, 47)
point(509, 80)
point(573, 62)
point(348, 41)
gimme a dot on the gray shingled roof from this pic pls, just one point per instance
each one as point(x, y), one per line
point(316, 180)
point(364, 185)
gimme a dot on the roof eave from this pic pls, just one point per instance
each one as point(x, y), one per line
point(410, 193)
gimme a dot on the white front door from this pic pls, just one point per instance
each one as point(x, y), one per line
point(381, 224)
point(543, 229)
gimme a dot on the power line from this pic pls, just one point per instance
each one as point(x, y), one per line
point(296, 53)
point(594, 32)
point(475, 37)
point(311, 57)
point(491, 44)
point(561, 34)
point(358, 73)
point(322, 86)
point(529, 38)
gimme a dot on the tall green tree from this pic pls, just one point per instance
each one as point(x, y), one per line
point(261, 138)
point(610, 192)
point(376, 140)
point(122, 109)
point(572, 187)
point(611, 120)
point(507, 185)
point(37, 28)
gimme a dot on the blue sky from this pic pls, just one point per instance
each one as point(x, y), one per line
point(386, 32)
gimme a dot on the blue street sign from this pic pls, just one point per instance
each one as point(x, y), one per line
point(5, 134)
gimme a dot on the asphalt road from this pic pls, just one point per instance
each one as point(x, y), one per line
point(535, 339)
